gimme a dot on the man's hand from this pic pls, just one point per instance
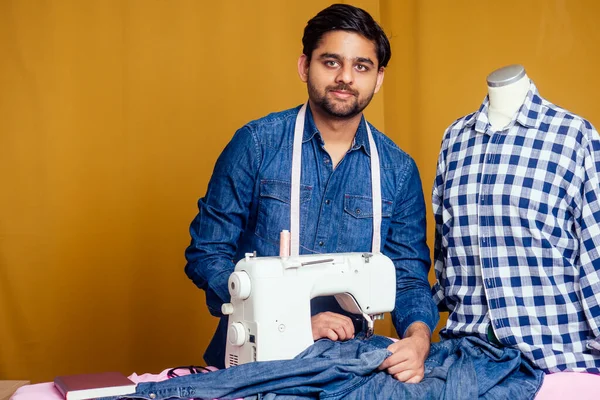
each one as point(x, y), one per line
point(407, 363)
point(331, 325)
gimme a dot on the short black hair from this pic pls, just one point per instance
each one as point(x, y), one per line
point(345, 17)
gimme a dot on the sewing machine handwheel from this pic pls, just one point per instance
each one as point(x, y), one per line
point(239, 285)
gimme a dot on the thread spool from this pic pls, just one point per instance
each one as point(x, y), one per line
point(284, 243)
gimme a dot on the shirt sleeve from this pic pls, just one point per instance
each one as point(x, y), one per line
point(222, 217)
point(588, 227)
point(439, 247)
point(407, 248)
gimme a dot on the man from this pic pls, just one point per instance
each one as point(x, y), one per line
point(247, 203)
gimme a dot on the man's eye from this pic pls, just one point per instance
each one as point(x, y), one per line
point(362, 68)
point(331, 63)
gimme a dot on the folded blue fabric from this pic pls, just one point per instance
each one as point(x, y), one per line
point(456, 369)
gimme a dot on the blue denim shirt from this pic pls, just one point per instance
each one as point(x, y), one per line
point(247, 205)
point(457, 369)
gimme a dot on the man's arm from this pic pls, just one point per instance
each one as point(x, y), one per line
point(407, 247)
point(415, 314)
point(222, 218)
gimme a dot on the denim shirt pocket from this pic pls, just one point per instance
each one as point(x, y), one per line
point(357, 221)
point(274, 209)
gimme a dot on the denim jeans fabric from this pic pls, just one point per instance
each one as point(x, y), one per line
point(457, 369)
point(247, 205)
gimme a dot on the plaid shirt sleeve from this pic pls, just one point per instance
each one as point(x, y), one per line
point(588, 229)
point(438, 209)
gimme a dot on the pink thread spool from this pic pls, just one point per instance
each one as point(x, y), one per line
point(284, 243)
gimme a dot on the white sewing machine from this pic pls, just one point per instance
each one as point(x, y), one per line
point(269, 313)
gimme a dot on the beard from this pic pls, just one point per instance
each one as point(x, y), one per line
point(336, 108)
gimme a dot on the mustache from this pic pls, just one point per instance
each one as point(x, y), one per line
point(342, 87)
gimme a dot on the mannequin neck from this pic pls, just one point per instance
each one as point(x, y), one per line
point(505, 102)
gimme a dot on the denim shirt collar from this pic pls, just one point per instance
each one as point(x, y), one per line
point(527, 116)
point(361, 140)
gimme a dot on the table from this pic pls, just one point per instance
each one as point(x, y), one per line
point(7, 388)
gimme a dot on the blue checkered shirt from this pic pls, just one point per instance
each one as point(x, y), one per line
point(517, 215)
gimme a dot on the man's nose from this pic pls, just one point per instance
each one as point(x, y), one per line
point(345, 75)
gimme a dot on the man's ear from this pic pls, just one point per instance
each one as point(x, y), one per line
point(303, 63)
point(380, 75)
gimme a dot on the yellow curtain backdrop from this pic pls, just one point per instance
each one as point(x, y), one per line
point(112, 114)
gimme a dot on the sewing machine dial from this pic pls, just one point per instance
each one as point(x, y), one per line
point(237, 334)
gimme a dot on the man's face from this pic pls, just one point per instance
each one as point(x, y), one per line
point(342, 75)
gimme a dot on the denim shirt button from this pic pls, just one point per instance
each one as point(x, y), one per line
point(327, 201)
point(321, 243)
point(152, 395)
point(358, 210)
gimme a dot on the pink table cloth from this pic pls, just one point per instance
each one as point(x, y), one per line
point(559, 386)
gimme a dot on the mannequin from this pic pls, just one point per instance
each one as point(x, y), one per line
point(507, 89)
point(516, 211)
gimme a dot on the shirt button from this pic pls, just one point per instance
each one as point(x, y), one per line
point(321, 243)
point(327, 201)
point(152, 396)
point(358, 210)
